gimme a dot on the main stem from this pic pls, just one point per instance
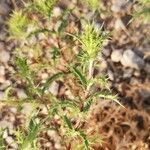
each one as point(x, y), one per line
point(90, 76)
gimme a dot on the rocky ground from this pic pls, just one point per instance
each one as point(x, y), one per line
point(126, 60)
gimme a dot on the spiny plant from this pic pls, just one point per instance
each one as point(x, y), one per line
point(18, 23)
point(44, 7)
point(86, 88)
point(93, 4)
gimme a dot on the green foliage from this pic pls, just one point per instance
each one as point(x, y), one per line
point(93, 4)
point(92, 40)
point(44, 7)
point(77, 76)
point(80, 76)
point(18, 23)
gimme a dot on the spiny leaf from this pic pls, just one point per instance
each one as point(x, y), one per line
point(68, 122)
point(87, 105)
point(17, 24)
point(33, 130)
point(109, 96)
point(80, 76)
point(86, 142)
point(23, 68)
point(44, 7)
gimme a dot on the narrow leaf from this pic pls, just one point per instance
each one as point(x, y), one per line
point(87, 105)
point(80, 76)
point(68, 122)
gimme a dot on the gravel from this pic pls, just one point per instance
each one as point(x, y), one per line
point(4, 56)
point(2, 70)
point(4, 9)
point(118, 5)
point(54, 88)
point(21, 94)
point(116, 55)
point(2, 95)
point(132, 60)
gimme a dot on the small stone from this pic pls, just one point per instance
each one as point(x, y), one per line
point(2, 80)
point(116, 55)
point(41, 36)
point(119, 24)
point(3, 34)
point(2, 70)
point(128, 73)
point(110, 75)
point(27, 109)
point(4, 9)
point(1, 20)
point(4, 56)
point(2, 46)
point(14, 146)
point(5, 124)
point(51, 133)
point(48, 144)
point(5, 83)
point(13, 109)
point(130, 59)
point(57, 11)
point(54, 88)
point(44, 76)
point(9, 140)
point(2, 95)
point(118, 5)
point(137, 73)
point(57, 145)
point(21, 94)
point(5, 133)
point(147, 68)
point(106, 52)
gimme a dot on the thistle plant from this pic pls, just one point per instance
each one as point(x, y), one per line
point(18, 23)
point(93, 4)
point(86, 88)
point(44, 7)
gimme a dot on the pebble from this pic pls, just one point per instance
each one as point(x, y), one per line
point(5, 83)
point(9, 140)
point(147, 68)
point(57, 11)
point(4, 9)
point(27, 109)
point(57, 145)
point(118, 5)
point(106, 52)
point(54, 88)
point(110, 75)
point(2, 70)
point(21, 94)
point(132, 60)
point(116, 55)
point(128, 73)
point(2, 46)
point(1, 20)
point(5, 124)
point(2, 95)
point(4, 56)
